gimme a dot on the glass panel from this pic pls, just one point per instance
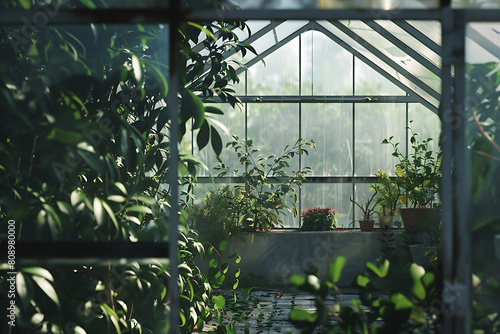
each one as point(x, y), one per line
point(273, 126)
point(280, 73)
point(433, 27)
point(234, 121)
point(330, 126)
point(370, 82)
point(484, 4)
point(426, 123)
point(429, 95)
point(317, 70)
point(335, 196)
point(483, 132)
point(483, 42)
point(328, 4)
point(398, 57)
point(373, 123)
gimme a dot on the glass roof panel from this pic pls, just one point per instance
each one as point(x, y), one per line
point(318, 70)
point(482, 42)
point(279, 75)
point(391, 54)
point(429, 94)
point(430, 29)
point(411, 41)
point(483, 4)
point(369, 82)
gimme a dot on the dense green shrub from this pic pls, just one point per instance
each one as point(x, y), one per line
point(85, 156)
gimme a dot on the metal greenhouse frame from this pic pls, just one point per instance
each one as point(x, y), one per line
point(449, 101)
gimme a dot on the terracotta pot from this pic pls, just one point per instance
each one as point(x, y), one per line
point(419, 220)
point(385, 221)
point(366, 225)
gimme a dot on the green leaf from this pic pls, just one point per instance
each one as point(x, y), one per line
point(139, 208)
point(112, 316)
point(417, 287)
point(335, 269)
point(89, 4)
point(65, 136)
point(191, 106)
point(203, 136)
point(99, 214)
point(223, 245)
point(379, 271)
point(400, 301)
point(37, 271)
point(302, 315)
point(47, 288)
point(362, 281)
point(297, 280)
point(216, 141)
point(219, 302)
point(26, 4)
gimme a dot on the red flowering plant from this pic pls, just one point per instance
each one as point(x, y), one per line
point(318, 219)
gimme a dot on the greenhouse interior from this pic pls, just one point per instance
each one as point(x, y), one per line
point(189, 166)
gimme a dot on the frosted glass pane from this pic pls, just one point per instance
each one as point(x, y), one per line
point(330, 126)
point(414, 43)
point(482, 42)
point(483, 4)
point(396, 55)
point(326, 66)
point(426, 123)
point(373, 123)
point(370, 82)
point(234, 120)
point(335, 196)
point(279, 75)
point(272, 127)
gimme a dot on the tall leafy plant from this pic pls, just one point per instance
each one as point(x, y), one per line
point(268, 184)
point(419, 172)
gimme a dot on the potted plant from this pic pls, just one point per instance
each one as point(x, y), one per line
point(368, 209)
point(318, 219)
point(419, 176)
point(268, 187)
point(388, 200)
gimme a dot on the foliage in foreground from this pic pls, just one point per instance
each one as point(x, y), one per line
point(376, 312)
point(85, 155)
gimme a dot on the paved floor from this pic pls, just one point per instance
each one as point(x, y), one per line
point(266, 311)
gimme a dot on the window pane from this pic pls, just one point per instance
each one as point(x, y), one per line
point(374, 123)
point(273, 126)
point(330, 126)
point(335, 196)
point(370, 82)
point(280, 73)
point(234, 121)
point(317, 69)
point(426, 123)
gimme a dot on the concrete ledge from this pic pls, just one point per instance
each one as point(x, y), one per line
point(273, 257)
